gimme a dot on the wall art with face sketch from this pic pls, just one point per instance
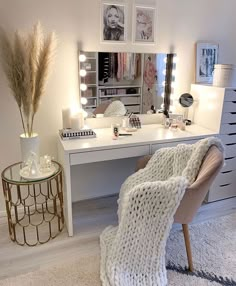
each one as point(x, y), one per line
point(144, 24)
point(113, 22)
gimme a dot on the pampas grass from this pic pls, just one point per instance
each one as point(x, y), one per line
point(26, 63)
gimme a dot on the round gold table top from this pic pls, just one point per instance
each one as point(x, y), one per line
point(12, 174)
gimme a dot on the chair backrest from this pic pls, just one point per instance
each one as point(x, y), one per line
point(196, 193)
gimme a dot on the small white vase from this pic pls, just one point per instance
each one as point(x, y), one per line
point(28, 145)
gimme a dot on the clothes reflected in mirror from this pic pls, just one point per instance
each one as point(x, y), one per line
point(113, 23)
point(152, 110)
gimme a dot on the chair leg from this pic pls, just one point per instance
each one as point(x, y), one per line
point(188, 246)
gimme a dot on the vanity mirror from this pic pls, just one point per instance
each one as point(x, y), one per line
point(130, 82)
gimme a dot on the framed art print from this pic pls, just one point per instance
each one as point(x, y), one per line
point(206, 58)
point(113, 22)
point(144, 24)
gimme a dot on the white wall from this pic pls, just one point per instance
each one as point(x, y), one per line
point(180, 24)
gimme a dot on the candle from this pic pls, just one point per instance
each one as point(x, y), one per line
point(81, 116)
point(66, 120)
point(77, 121)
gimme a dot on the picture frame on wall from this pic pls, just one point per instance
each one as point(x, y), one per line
point(206, 58)
point(144, 24)
point(113, 22)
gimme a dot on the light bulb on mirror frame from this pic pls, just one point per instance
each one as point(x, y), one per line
point(84, 100)
point(82, 72)
point(175, 59)
point(83, 86)
point(82, 58)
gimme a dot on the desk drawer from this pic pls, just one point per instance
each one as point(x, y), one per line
point(108, 154)
point(221, 192)
point(223, 179)
point(228, 117)
point(230, 95)
point(228, 138)
point(230, 150)
point(229, 106)
point(228, 128)
point(230, 165)
point(155, 147)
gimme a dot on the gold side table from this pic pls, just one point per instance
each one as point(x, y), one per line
point(34, 207)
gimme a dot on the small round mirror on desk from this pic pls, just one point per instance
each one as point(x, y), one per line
point(186, 100)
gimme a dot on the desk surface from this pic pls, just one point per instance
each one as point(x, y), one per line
point(148, 134)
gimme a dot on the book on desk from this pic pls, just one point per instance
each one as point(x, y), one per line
point(67, 134)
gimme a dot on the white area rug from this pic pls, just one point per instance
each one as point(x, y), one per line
point(214, 255)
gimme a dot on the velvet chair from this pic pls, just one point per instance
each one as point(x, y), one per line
point(195, 193)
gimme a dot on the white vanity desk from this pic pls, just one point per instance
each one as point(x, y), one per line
point(102, 148)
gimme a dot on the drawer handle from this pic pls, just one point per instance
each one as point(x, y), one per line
point(233, 123)
point(230, 134)
point(225, 185)
point(230, 144)
point(227, 172)
point(232, 112)
point(233, 101)
point(229, 158)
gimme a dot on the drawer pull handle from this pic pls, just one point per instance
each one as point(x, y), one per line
point(227, 172)
point(233, 101)
point(224, 185)
point(233, 123)
point(230, 134)
point(232, 112)
point(229, 158)
point(230, 144)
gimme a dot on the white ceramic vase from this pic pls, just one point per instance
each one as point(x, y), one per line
point(28, 145)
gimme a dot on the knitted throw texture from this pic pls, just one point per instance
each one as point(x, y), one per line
point(133, 253)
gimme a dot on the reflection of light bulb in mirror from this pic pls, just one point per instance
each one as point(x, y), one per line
point(175, 59)
point(164, 72)
point(165, 60)
point(84, 100)
point(173, 84)
point(83, 86)
point(82, 58)
point(162, 106)
point(162, 94)
point(163, 83)
point(82, 72)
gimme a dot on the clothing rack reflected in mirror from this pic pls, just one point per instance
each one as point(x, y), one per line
point(139, 81)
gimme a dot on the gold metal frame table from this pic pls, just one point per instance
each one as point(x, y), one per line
point(34, 207)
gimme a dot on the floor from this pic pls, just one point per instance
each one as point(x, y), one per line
point(90, 218)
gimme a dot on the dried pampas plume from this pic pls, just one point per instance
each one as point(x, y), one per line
point(26, 63)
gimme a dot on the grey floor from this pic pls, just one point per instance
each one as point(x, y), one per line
point(90, 218)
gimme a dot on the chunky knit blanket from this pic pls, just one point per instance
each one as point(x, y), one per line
point(133, 253)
